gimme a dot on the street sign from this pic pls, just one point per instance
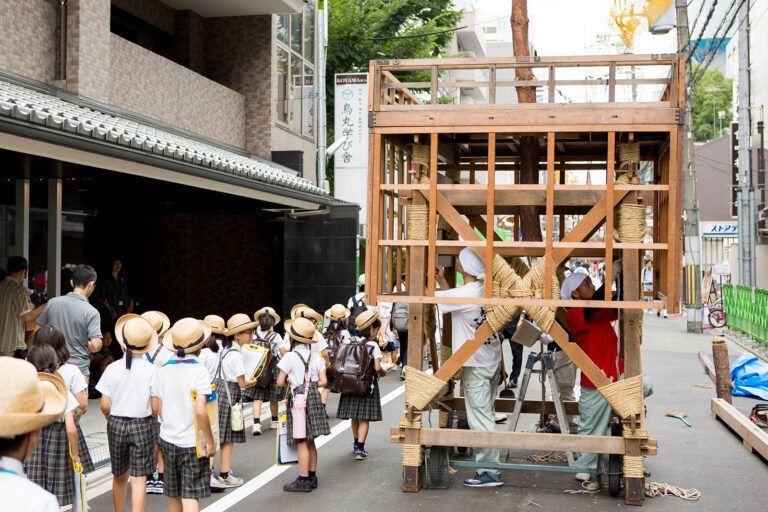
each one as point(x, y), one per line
point(350, 162)
point(713, 229)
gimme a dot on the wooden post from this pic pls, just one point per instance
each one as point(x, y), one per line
point(609, 227)
point(432, 229)
point(723, 384)
point(634, 487)
point(489, 217)
point(416, 287)
point(550, 209)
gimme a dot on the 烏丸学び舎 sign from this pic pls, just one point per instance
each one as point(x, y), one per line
point(351, 120)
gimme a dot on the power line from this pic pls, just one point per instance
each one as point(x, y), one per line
point(696, 20)
point(701, 34)
point(411, 36)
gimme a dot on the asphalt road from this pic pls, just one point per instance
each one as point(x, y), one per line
point(708, 456)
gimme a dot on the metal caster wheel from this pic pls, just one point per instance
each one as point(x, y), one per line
point(434, 470)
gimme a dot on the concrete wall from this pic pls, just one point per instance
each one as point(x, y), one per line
point(712, 162)
point(87, 48)
point(146, 83)
point(20, 23)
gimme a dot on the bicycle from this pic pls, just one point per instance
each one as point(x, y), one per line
point(717, 314)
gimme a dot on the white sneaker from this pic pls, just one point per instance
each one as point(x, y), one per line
point(216, 485)
point(500, 418)
point(231, 480)
point(273, 425)
point(256, 429)
point(582, 477)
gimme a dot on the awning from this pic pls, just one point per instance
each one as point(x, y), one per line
point(49, 122)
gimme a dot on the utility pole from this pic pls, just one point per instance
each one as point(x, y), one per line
point(692, 238)
point(321, 43)
point(746, 191)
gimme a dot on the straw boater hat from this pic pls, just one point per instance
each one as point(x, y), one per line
point(309, 314)
point(295, 308)
point(158, 320)
point(135, 333)
point(302, 330)
point(337, 312)
point(267, 311)
point(186, 336)
point(365, 319)
point(239, 323)
point(216, 323)
point(31, 400)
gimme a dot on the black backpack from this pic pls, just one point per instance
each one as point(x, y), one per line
point(354, 368)
point(357, 308)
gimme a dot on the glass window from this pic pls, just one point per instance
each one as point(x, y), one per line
point(294, 120)
point(308, 99)
point(296, 32)
point(282, 86)
point(282, 27)
point(309, 33)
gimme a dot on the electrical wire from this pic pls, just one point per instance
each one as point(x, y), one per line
point(696, 19)
point(701, 34)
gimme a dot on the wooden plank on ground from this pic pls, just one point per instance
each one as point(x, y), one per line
point(709, 367)
point(753, 437)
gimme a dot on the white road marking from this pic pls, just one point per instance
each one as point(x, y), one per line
point(256, 483)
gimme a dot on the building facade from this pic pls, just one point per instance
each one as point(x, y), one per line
point(176, 135)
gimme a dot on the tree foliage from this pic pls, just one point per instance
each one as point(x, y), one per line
point(354, 25)
point(712, 94)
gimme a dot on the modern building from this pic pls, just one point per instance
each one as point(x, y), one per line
point(178, 136)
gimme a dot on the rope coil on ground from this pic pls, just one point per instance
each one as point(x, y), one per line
point(654, 489)
point(625, 396)
point(508, 284)
point(546, 457)
point(417, 225)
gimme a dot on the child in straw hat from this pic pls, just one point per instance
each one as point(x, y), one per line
point(31, 402)
point(51, 464)
point(187, 477)
point(305, 370)
point(157, 356)
point(335, 334)
point(362, 409)
point(265, 335)
point(127, 404)
point(73, 378)
point(229, 380)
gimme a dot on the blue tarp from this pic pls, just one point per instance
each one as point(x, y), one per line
point(750, 376)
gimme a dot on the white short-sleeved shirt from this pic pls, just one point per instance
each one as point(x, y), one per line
point(71, 406)
point(274, 339)
point(73, 378)
point(292, 364)
point(20, 493)
point(173, 385)
point(129, 390)
point(159, 356)
point(231, 363)
point(210, 360)
point(466, 318)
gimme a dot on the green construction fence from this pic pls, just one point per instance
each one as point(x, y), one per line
point(746, 310)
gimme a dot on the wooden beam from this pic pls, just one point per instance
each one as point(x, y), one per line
point(609, 205)
point(520, 440)
point(432, 229)
point(752, 436)
point(490, 220)
point(550, 221)
point(529, 406)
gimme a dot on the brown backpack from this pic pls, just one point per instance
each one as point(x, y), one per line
point(265, 378)
point(354, 368)
point(334, 341)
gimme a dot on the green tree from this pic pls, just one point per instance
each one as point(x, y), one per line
point(711, 95)
point(355, 29)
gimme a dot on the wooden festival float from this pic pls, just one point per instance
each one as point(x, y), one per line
point(418, 207)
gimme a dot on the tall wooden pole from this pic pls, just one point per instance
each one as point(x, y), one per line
point(529, 145)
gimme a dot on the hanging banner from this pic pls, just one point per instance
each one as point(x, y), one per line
point(351, 120)
point(351, 126)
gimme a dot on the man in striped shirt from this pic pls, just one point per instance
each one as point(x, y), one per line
point(15, 309)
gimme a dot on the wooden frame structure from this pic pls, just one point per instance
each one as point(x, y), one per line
point(482, 141)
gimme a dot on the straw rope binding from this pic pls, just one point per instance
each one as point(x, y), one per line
point(412, 455)
point(633, 466)
point(417, 225)
point(420, 154)
point(421, 389)
point(631, 227)
point(625, 396)
point(629, 156)
point(628, 433)
point(508, 284)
